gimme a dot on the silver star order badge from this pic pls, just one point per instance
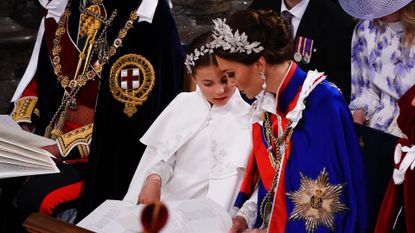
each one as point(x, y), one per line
point(316, 202)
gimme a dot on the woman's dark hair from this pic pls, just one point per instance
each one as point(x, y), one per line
point(265, 27)
point(206, 59)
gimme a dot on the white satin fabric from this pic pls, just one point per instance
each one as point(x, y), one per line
point(211, 146)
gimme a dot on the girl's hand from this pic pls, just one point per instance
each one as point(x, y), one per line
point(150, 192)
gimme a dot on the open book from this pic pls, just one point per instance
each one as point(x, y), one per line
point(187, 216)
point(20, 153)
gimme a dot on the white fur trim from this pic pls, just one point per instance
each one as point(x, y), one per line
point(312, 80)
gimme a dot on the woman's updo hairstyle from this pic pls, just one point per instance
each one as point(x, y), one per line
point(265, 27)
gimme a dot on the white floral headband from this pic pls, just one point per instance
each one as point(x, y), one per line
point(195, 55)
point(225, 39)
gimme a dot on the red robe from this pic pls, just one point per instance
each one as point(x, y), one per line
point(403, 195)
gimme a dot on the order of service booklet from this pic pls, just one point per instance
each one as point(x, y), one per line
point(20, 152)
point(186, 216)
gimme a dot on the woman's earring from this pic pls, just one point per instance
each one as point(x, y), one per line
point(262, 75)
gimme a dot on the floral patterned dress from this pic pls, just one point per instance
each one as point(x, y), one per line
point(383, 69)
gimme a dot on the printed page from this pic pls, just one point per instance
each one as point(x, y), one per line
point(197, 215)
point(14, 133)
point(32, 153)
point(188, 216)
point(12, 158)
point(11, 170)
point(110, 216)
point(8, 121)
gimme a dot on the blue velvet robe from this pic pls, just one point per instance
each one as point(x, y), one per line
point(324, 139)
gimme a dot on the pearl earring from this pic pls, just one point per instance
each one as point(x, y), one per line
point(262, 76)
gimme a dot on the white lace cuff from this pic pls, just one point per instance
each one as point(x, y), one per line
point(249, 212)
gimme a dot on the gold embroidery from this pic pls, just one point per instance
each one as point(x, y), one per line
point(361, 142)
point(131, 97)
point(276, 159)
point(23, 109)
point(68, 141)
point(83, 151)
point(316, 202)
point(105, 52)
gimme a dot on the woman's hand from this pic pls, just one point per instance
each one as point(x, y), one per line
point(413, 102)
point(239, 225)
point(54, 150)
point(151, 190)
point(359, 116)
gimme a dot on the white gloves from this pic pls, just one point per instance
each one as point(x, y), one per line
point(409, 161)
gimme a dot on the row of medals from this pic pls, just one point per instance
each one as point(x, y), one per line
point(298, 57)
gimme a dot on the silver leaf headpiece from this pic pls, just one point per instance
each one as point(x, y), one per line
point(195, 55)
point(234, 42)
point(225, 39)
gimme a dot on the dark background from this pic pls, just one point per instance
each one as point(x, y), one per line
point(20, 19)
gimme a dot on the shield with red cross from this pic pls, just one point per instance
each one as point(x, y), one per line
point(130, 78)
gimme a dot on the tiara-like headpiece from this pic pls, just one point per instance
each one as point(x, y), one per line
point(225, 39)
point(234, 42)
point(195, 55)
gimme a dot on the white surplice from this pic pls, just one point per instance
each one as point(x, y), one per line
point(204, 148)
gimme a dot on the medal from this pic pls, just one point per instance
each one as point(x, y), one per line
point(307, 50)
point(306, 59)
point(303, 50)
point(297, 56)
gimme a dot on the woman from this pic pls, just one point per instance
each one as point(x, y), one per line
point(199, 145)
point(383, 55)
point(305, 166)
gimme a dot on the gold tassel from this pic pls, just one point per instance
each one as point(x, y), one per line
point(48, 131)
point(57, 131)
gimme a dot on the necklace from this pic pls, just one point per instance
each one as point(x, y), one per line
point(275, 160)
point(55, 130)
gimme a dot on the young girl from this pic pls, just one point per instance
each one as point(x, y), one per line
point(383, 54)
point(306, 164)
point(199, 145)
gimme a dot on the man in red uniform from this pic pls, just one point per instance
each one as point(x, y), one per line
point(94, 85)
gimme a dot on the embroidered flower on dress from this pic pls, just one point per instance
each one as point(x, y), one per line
point(219, 166)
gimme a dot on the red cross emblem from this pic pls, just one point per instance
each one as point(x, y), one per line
point(130, 78)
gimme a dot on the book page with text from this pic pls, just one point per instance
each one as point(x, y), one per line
point(187, 216)
point(12, 170)
point(17, 134)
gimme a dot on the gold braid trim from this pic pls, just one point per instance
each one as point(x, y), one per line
point(79, 136)
point(23, 109)
point(83, 151)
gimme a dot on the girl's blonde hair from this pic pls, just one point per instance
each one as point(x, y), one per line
point(408, 19)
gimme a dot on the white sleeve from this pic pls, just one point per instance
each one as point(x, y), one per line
point(249, 210)
point(164, 169)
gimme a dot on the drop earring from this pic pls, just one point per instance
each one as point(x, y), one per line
point(263, 77)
